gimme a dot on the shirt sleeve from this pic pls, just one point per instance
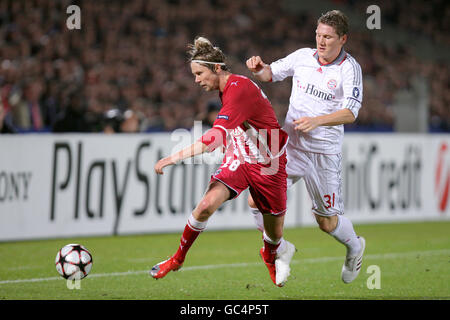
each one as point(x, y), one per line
point(214, 138)
point(352, 87)
point(285, 67)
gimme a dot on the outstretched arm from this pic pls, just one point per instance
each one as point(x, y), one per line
point(260, 70)
point(211, 140)
point(194, 149)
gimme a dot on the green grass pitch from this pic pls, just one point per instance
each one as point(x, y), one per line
point(412, 259)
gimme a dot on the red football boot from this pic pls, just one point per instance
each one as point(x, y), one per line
point(271, 267)
point(161, 269)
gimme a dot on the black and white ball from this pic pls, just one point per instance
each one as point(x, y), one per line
point(73, 262)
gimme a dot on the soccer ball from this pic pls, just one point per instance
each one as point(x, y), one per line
point(73, 262)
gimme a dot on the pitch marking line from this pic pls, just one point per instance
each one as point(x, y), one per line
point(239, 265)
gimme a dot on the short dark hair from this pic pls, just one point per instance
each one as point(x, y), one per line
point(336, 19)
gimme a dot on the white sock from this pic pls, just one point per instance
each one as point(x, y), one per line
point(197, 225)
point(282, 245)
point(269, 240)
point(345, 234)
point(281, 242)
point(259, 221)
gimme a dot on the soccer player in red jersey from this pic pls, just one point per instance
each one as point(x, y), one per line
point(255, 158)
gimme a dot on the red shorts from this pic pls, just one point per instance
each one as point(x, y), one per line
point(266, 182)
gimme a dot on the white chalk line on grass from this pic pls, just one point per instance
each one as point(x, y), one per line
point(244, 264)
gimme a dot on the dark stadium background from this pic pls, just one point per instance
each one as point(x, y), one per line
point(125, 69)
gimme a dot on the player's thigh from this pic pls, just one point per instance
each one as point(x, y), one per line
point(216, 194)
point(251, 202)
point(269, 191)
point(324, 185)
point(298, 164)
point(291, 180)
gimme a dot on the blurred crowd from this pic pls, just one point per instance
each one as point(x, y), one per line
point(429, 18)
point(126, 69)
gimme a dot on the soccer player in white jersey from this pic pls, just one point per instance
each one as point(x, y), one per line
point(326, 93)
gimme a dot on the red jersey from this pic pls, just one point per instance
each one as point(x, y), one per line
point(246, 123)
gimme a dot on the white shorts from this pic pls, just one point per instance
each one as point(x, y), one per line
point(322, 176)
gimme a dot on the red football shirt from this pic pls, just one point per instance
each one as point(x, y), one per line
point(246, 123)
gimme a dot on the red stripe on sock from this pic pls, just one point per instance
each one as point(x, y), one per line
point(194, 228)
point(187, 239)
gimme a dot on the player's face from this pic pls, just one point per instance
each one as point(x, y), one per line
point(328, 42)
point(204, 76)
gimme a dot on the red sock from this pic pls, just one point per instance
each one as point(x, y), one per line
point(187, 239)
point(270, 251)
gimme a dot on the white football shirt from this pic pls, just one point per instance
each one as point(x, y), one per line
point(319, 89)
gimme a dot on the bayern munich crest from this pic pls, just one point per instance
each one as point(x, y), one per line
point(332, 84)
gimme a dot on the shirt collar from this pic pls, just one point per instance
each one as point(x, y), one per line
point(340, 58)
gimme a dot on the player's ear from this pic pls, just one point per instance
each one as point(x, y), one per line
point(217, 68)
point(344, 39)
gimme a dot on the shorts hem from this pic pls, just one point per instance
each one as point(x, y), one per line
point(231, 197)
point(326, 215)
point(278, 214)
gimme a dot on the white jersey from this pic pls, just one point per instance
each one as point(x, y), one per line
point(319, 89)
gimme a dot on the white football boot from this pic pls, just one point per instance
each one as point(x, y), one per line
point(282, 261)
point(352, 264)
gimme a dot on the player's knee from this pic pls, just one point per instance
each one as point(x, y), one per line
point(325, 227)
point(326, 224)
point(204, 208)
point(251, 202)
